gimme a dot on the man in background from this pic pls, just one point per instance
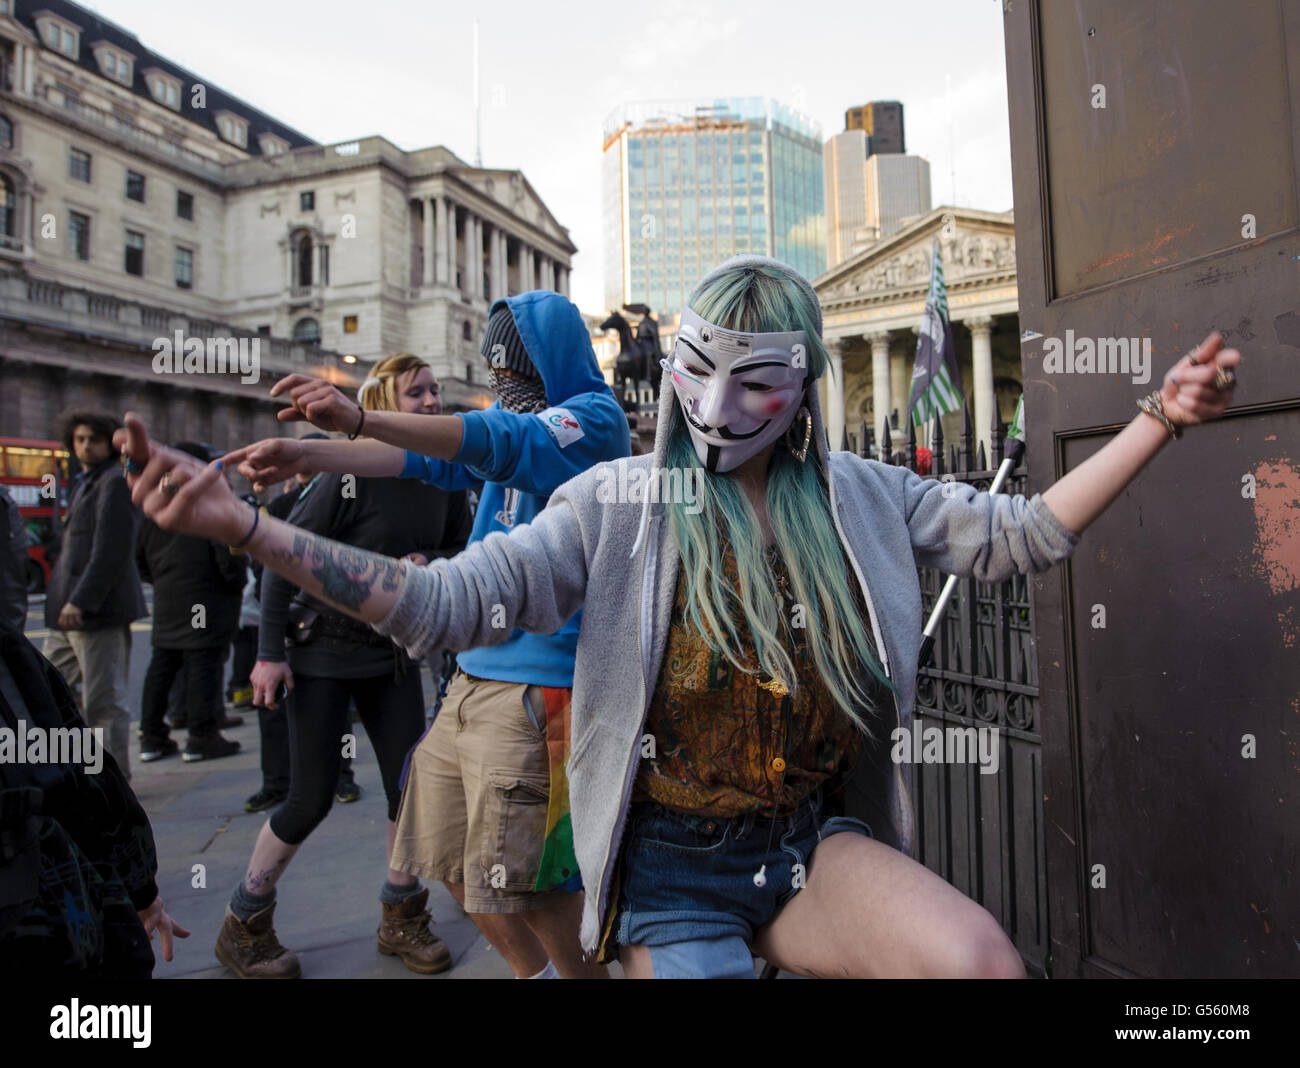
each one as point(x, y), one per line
point(94, 593)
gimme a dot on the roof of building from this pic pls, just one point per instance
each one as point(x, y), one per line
point(95, 28)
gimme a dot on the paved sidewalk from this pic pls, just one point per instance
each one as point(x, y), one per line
point(328, 904)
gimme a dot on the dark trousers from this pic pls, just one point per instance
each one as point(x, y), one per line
point(199, 672)
point(273, 725)
point(242, 663)
point(393, 715)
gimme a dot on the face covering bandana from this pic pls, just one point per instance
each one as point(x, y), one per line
point(739, 392)
point(518, 394)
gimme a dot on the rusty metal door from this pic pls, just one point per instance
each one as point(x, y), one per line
point(1155, 148)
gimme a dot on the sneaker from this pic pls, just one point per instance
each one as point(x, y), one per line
point(264, 799)
point(404, 932)
point(252, 951)
point(347, 790)
point(150, 751)
point(213, 748)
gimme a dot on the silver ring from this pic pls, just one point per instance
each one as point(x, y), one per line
point(1224, 379)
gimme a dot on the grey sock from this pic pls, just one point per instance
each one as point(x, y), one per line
point(246, 905)
point(395, 895)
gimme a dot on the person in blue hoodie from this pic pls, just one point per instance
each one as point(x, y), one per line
point(485, 805)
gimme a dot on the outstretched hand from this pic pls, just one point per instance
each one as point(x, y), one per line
point(1188, 394)
point(266, 462)
point(178, 492)
point(319, 402)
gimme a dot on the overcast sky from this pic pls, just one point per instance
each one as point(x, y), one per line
point(550, 73)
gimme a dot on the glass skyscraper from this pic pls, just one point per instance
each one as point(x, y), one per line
point(686, 184)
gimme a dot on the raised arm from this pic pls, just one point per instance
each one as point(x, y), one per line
point(961, 531)
point(535, 578)
point(324, 406)
point(1188, 396)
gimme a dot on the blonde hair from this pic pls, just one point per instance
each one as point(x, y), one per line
point(378, 393)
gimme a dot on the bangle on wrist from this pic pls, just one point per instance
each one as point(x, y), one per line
point(1154, 407)
point(257, 518)
point(360, 423)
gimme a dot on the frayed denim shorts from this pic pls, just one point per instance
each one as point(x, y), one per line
point(688, 891)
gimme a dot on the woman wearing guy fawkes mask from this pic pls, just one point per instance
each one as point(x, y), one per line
point(744, 649)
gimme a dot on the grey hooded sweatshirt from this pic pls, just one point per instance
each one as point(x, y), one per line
point(617, 560)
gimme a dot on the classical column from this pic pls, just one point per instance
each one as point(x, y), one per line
point(900, 380)
point(428, 242)
point(494, 264)
point(562, 279)
point(526, 268)
point(982, 365)
point(441, 270)
point(475, 255)
point(835, 393)
point(881, 391)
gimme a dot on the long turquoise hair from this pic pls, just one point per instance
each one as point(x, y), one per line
point(761, 298)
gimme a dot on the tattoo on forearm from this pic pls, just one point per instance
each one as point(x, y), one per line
point(347, 576)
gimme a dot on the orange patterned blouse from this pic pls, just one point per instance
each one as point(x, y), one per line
point(728, 742)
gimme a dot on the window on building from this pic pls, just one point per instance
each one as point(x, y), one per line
point(134, 186)
point(469, 372)
point(184, 268)
point(184, 205)
point(349, 324)
point(233, 128)
point(8, 207)
point(324, 265)
point(6, 132)
point(164, 88)
point(307, 201)
point(264, 330)
point(302, 250)
point(79, 165)
point(307, 332)
point(466, 331)
point(62, 38)
point(134, 253)
point(79, 234)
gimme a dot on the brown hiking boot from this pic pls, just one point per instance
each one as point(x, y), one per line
point(252, 951)
point(404, 932)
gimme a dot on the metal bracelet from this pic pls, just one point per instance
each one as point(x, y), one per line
point(1154, 406)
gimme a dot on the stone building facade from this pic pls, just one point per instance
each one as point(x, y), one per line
point(872, 306)
point(138, 201)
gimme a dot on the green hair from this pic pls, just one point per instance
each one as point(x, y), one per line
point(761, 298)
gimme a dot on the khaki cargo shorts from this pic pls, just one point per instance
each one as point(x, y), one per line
point(474, 807)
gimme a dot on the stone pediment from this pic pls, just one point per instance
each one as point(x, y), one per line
point(974, 246)
point(513, 192)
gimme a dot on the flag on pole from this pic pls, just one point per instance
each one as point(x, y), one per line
point(1016, 431)
point(936, 378)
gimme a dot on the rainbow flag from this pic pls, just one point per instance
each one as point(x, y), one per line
point(558, 868)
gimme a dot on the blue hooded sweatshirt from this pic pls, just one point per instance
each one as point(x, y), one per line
point(516, 461)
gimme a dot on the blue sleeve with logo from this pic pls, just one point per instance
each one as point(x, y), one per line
point(539, 453)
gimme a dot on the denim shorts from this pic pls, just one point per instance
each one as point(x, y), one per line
point(688, 891)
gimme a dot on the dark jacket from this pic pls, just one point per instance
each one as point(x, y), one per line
point(187, 572)
point(77, 856)
point(390, 516)
point(96, 566)
point(13, 562)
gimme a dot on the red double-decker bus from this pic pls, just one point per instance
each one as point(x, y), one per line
point(36, 474)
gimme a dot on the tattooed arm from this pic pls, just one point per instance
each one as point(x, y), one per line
point(363, 584)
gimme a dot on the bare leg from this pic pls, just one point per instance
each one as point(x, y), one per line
point(269, 860)
point(511, 936)
point(636, 962)
point(556, 927)
point(870, 912)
